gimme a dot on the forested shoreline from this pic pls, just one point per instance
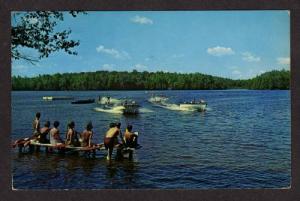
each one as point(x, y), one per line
point(115, 80)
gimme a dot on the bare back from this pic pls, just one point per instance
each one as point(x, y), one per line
point(112, 132)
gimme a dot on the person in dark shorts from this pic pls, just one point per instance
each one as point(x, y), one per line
point(44, 132)
point(111, 138)
point(130, 138)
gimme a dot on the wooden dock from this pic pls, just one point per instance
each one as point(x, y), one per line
point(35, 146)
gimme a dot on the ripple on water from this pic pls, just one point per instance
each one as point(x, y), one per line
point(241, 141)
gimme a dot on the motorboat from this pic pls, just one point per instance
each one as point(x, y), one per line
point(107, 100)
point(158, 99)
point(52, 98)
point(83, 101)
point(130, 107)
point(194, 105)
point(124, 107)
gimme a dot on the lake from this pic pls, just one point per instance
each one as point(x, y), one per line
point(243, 140)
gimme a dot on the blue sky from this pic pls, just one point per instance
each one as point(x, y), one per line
point(232, 44)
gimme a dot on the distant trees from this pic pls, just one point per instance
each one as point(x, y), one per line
point(270, 80)
point(105, 80)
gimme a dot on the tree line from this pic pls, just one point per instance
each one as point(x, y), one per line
point(115, 80)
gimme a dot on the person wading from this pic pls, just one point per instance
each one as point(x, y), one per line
point(111, 138)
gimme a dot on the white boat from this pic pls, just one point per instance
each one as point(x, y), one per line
point(107, 100)
point(125, 107)
point(158, 99)
point(193, 105)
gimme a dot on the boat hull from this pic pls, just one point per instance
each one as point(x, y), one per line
point(197, 107)
point(131, 109)
point(52, 98)
point(83, 101)
point(157, 99)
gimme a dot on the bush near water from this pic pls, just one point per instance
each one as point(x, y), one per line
point(114, 80)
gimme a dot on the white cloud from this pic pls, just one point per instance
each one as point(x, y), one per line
point(108, 67)
point(141, 20)
point(140, 67)
point(247, 56)
point(236, 72)
point(284, 60)
point(113, 52)
point(220, 51)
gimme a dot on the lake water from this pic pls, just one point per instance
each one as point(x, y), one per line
point(242, 141)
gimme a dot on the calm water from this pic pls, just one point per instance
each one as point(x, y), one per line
point(242, 141)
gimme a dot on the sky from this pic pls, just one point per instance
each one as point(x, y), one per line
point(231, 44)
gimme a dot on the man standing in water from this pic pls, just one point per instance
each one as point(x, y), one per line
point(111, 138)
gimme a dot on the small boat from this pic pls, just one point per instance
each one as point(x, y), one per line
point(52, 98)
point(130, 107)
point(158, 99)
point(124, 107)
point(107, 100)
point(83, 101)
point(194, 105)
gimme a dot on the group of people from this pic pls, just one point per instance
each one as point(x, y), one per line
point(84, 139)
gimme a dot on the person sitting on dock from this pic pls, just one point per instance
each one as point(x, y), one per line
point(54, 135)
point(23, 142)
point(44, 132)
point(36, 124)
point(71, 137)
point(86, 136)
point(111, 138)
point(130, 138)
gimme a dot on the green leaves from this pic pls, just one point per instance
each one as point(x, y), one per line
point(271, 80)
point(36, 30)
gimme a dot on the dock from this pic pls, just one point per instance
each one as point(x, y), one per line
point(35, 146)
point(52, 98)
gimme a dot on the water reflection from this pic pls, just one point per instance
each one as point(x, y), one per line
point(76, 170)
point(122, 174)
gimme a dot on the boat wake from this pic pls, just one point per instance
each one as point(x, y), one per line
point(145, 110)
point(175, 107)
point(119, 110)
